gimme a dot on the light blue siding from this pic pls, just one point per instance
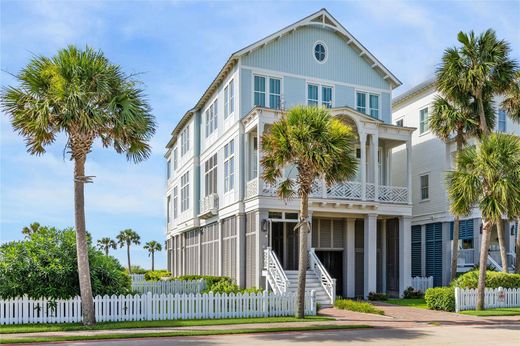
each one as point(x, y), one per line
point(246, 92)
point(294, 91)
point(386, 108)
point(344, 96)
point(294, 53)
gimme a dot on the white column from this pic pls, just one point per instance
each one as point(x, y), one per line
point(260, 131)
point(309, 235)
point(383, 255)
point(241, 250)
point(362, 163)
point(220, 247)
point(351, 258)
point(409, 169)
point(370, 254)
point(261, 244)
point(388, 164)
point(405, 253)
point(199, 252)
point(247, 158)
point(374, 144)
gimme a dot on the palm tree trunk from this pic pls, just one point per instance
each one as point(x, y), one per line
point(517, 252)
point(128, 258)
point(85, 286)
point(106, 251)
point(482, 115)
point(152, 260)
point(303, 257)
point(502, 245)
point(484, 247)
point(455, 247)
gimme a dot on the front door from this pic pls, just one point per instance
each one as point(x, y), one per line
point(277, 240)
point(284, 242)
point(392, 257)
point(293, 242)
point(333, 262)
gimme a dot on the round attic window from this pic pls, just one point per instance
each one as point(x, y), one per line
point(320, 52)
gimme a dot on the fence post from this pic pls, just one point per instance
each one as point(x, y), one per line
point(313, 302)
point(149, 306)
point(457, 299)
point(266, 303)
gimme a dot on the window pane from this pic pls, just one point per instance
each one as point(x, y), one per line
point(226, 102)
point(326, 96)
point(374, 106)
point(231, 96)
point(423, 126)
point(274, 93)
point(361, 102)
point(312, 91)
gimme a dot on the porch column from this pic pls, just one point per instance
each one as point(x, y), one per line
point(383, 255)
point(261, 244)
point(259, 169)
point(350, 249)
point(362, 163)
point(409, 169)
point(388, 163)
point(199, 253)
point(220, 246)
point(405, 253)
point(309, 235)
point(241, 250)
point(370, 254)
point(374, 144)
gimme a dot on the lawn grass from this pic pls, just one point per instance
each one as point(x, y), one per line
point(357, 306)
point(66, 327)
point(412, 303)
point(493, 312)
point(178, 333)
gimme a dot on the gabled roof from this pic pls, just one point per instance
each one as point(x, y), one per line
point(320, 18)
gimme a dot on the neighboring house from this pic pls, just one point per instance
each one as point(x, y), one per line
point(432, 223)
point(224, 220)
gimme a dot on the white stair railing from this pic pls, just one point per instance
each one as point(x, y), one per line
point(511, 257)
point(328, 283)
point(494, 263)
point(275, 273)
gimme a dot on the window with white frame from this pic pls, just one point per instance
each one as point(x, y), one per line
point(210, 175)
point(211, 118)
point(254, 159)
point(229, 166)
point(501, 125)
point(312, 95)
point(423, 120)
point(259, 91)
point(168, 169)
point(326, 96)
point(175, 159)
point(185, 191)
point(424, 181)
point(185, 140)
point(168, 208)
point(399, 123)
point(367, 103)
point(229, 99)
point(175, 198)
point(274, 93)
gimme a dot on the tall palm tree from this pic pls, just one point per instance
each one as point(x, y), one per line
point(317, 146)
point(105, 244)
point(481, 66)
point(81, 94)
point(511, 102)
point(487, 177)
point(126, 238)
point(31, 229)
point(152, 247)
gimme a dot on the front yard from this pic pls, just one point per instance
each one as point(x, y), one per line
point(493, 312)
point(412, 303)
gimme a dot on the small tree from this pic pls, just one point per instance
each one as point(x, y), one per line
point(31, 229)
point(317, 146)
point(126, 238)
point(487, 177)
point(105, 244)
point(152, 247)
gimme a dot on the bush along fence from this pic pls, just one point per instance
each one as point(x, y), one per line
point(422, 283)
point(169, 287)
point(466, 299)
point(148, 307)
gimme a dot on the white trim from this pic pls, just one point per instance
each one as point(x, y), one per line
point(262, 71)
point(326, 51)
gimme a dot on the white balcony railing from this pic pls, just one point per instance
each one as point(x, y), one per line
point(252, 188)
point(209, 205)
point(466, 257)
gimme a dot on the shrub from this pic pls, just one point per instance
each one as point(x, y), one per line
point(137, 270)
point(493, 280)
point(440, 298)
point(348, 304)
point(210, 280)
point(412, 293)
point(377, 296)
point(156, 275)
point(45, 265)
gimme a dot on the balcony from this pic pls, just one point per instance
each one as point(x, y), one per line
point(209, 206)
point(350, 190)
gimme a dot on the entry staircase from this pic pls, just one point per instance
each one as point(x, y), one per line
point(317, 279)
point(496, 262)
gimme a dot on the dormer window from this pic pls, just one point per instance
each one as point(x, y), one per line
point(320, 52)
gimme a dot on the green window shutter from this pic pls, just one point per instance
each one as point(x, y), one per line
point(416, 251)
point(434, 252)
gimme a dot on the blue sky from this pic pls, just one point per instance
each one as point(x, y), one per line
point(179, 47)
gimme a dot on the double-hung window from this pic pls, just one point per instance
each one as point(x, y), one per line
point(229, 99)
point(229, 166)
point(423, 120)
point(274, 93)
point(185, 140)
point(175, 197)
point(185, 191)
point(361, 102)
point(374, 106)
point(168, 208)
point(168, 169)
point(175, 159)
point(501, 120)
point(312, 95)
point(367, 103)
point(211, 118)
point(210, 175)
point(259, 91)
point(326, 96)
point(425, 186)
point(399, 123)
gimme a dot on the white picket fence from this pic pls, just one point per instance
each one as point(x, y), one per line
point(148, 307)
point(137, 277)
point(169, 287)
point(422, 283)
point(466, 299)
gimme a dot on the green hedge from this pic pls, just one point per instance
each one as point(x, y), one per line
point(210, 280)
point(156, 275)
point(357, 306)
point(440, 298)
point(493, 280)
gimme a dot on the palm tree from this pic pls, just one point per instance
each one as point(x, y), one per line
point(317, 146)
point(152, 247)
point(81, 94)
point(126, 238)
point(31, 229)
point(511, 102)
point(105, 244)
point(487, 177)
point(481, 67)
